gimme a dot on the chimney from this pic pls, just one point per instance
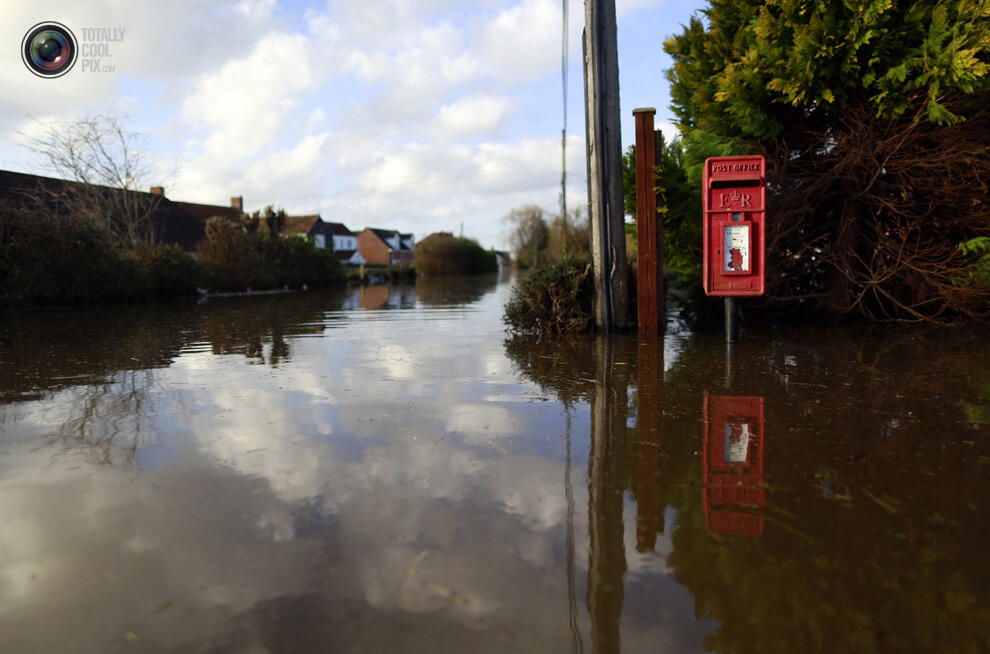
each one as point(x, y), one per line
point(237, 202)
point(157, 190)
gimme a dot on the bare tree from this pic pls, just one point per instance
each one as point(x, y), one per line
point(528, 233)
point(104, 159)
point(568, 234)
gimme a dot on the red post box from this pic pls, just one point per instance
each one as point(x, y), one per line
point(734, 201)
point(732, 490)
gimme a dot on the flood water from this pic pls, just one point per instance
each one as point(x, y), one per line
point(381, 470)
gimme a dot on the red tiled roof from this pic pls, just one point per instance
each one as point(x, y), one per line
point(299, 224)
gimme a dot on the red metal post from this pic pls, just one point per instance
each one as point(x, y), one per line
point(648, 228)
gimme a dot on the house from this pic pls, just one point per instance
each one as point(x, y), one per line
point(504, 260)
point(373, 297)
point(161, 220)
point(387, 247)
point(326, 236)
point(184, 223)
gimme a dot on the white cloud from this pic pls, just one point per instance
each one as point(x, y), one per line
point(289, 173)
point(480, 422)
point(523, 42)
point(471, 116)
point(315, 118)
point(256, 8)
point(670, 131)
point(246, 101)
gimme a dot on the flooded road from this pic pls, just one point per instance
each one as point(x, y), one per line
point(381, 470)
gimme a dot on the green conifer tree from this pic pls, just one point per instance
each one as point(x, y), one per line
point(873, 116)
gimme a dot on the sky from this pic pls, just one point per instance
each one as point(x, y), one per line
point(416, 115)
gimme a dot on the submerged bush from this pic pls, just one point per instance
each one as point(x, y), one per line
point(227, 256)
point(295, 261)
point(46, 261)
point(553, 299)
point(66, 259)
point(446, 254)
point(166, 270)
point(234, 260)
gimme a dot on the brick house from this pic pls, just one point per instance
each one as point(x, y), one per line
point(387, 247)
point(326, 236)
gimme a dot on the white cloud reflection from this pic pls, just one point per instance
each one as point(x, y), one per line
point(404, 491)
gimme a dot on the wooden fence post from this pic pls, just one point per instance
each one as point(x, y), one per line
point(649, 226)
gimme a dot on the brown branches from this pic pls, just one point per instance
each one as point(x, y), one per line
point(869, 216)
point(106, 163)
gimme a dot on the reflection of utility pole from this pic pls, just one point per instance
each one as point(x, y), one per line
point(606, 482)
point(571, 594)
point(649, 381)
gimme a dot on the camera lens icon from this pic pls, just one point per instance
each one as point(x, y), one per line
point(49, 49)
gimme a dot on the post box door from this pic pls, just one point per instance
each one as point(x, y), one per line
point(734, 199)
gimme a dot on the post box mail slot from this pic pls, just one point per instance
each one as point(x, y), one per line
point(734, 199)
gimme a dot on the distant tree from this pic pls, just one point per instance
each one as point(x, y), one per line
point(227, 256)
point(251, 222)
point(528, 234)
point(568, 235)
point(873, 117)
point(274, 221)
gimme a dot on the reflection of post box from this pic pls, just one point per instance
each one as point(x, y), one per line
point(732, 464)
point(734, 200)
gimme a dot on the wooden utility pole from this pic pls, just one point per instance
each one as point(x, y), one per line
point(649, 226)
point(604, 155)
